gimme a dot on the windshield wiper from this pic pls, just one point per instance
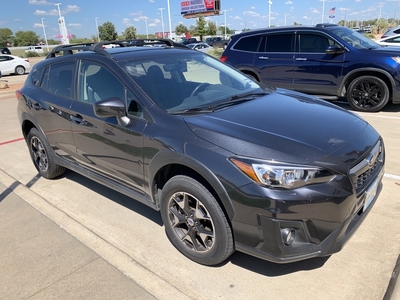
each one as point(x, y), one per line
point(237, 99)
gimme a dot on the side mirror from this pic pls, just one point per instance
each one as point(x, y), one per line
point(334, 49)
point(110, 107)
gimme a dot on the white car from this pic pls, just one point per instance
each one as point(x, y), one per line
point(393, 40)
point(37, 49)
point(202, 47)
point(10, 64)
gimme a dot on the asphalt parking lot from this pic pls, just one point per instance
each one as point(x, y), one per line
point(129, 237)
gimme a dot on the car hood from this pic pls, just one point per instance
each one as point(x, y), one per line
point(388, 50)
point(285, 126)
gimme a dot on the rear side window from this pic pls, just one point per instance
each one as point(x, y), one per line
point(249, 43)
point(278, 43)
point(60, 79)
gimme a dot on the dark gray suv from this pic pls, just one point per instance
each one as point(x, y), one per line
point(325, 60)
point(229, 163)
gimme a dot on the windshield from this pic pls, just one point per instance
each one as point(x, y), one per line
point(354, 38)
point(179, 81)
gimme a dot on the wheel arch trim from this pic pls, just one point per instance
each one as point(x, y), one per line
point(165, 158)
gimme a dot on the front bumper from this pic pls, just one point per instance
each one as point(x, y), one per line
point(319, 229)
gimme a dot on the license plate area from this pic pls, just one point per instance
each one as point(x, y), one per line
point(370, 193)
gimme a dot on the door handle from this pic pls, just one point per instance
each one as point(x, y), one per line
point(301, 58)
point(263, 57)
point(77, 119)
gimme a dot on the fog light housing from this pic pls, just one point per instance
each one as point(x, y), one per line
point(288, 236)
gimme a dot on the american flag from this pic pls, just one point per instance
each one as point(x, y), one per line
point(331, 11)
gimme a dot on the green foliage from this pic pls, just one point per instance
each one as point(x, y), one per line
point(129, 33)
point(216, 52)
point(107, 32)
point(75, 40)
point(26, 38)
point(222, 30)
point(201, 29)
point(6, 36)
point(33, 54)
point(212, 28)
point(181, 29)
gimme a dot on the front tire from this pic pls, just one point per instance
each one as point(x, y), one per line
point(42, 155)
point(195, 222)
point(368, 94)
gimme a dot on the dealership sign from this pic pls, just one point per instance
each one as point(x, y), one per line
point(197, 6)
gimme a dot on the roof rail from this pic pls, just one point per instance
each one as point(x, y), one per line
point(326, 25)
point(151, 42)
point(99, 46)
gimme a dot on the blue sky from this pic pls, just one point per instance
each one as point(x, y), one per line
point(80, 15)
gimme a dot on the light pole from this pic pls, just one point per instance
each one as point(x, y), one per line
point(169, 20)
point(269, 13)
point(162, 21)
point(59, 11)
point(97, 29)
point(323, 10)
point(45, 37)
point(285, 17)
point(147, 31)
point(225, 22)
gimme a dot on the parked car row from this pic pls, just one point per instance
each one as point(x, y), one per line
point(230, 163)
point(326, 60)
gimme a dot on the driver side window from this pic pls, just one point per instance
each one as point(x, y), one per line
point(97, 83)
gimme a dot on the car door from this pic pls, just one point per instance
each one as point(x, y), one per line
point(275, 59)
point(6, 64)
point(51, 107)
point(316, 72)
point(107, 146)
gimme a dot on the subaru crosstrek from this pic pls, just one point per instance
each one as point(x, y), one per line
point(230, 164)
point(326, 60)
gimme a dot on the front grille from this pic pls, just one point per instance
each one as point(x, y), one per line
point(365, 171)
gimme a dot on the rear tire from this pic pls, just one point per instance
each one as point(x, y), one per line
point(194, 221)
point(42, 155)
point(20, 70)
point(368, 94)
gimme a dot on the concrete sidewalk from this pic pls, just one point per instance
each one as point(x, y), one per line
point(40, 260)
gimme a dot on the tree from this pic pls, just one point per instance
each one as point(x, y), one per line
point(26, 38)
point(129, 33)
point(201, 29)
point(6, 36)
point(181, 29)
point(222, 30)
point(212, 28)
point(107, 32)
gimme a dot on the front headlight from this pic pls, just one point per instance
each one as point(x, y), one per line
point(281, 175)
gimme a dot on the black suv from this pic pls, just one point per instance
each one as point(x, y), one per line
point(325, 60)
point(230, 163)
point(5, 51)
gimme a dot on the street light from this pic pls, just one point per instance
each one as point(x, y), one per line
point(162, 21)
point(269, 13)
point(147, 31)
point(169, 20)
point(59, 11)
point(225, 22)
point(97, 29)
point(45, 37)
point(323, 10)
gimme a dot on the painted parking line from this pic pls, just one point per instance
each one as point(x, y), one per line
point(11, 141)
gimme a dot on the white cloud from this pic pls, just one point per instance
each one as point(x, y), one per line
point(251, 13)
point(74, 25)
point(289, 2)
point(39, 2)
